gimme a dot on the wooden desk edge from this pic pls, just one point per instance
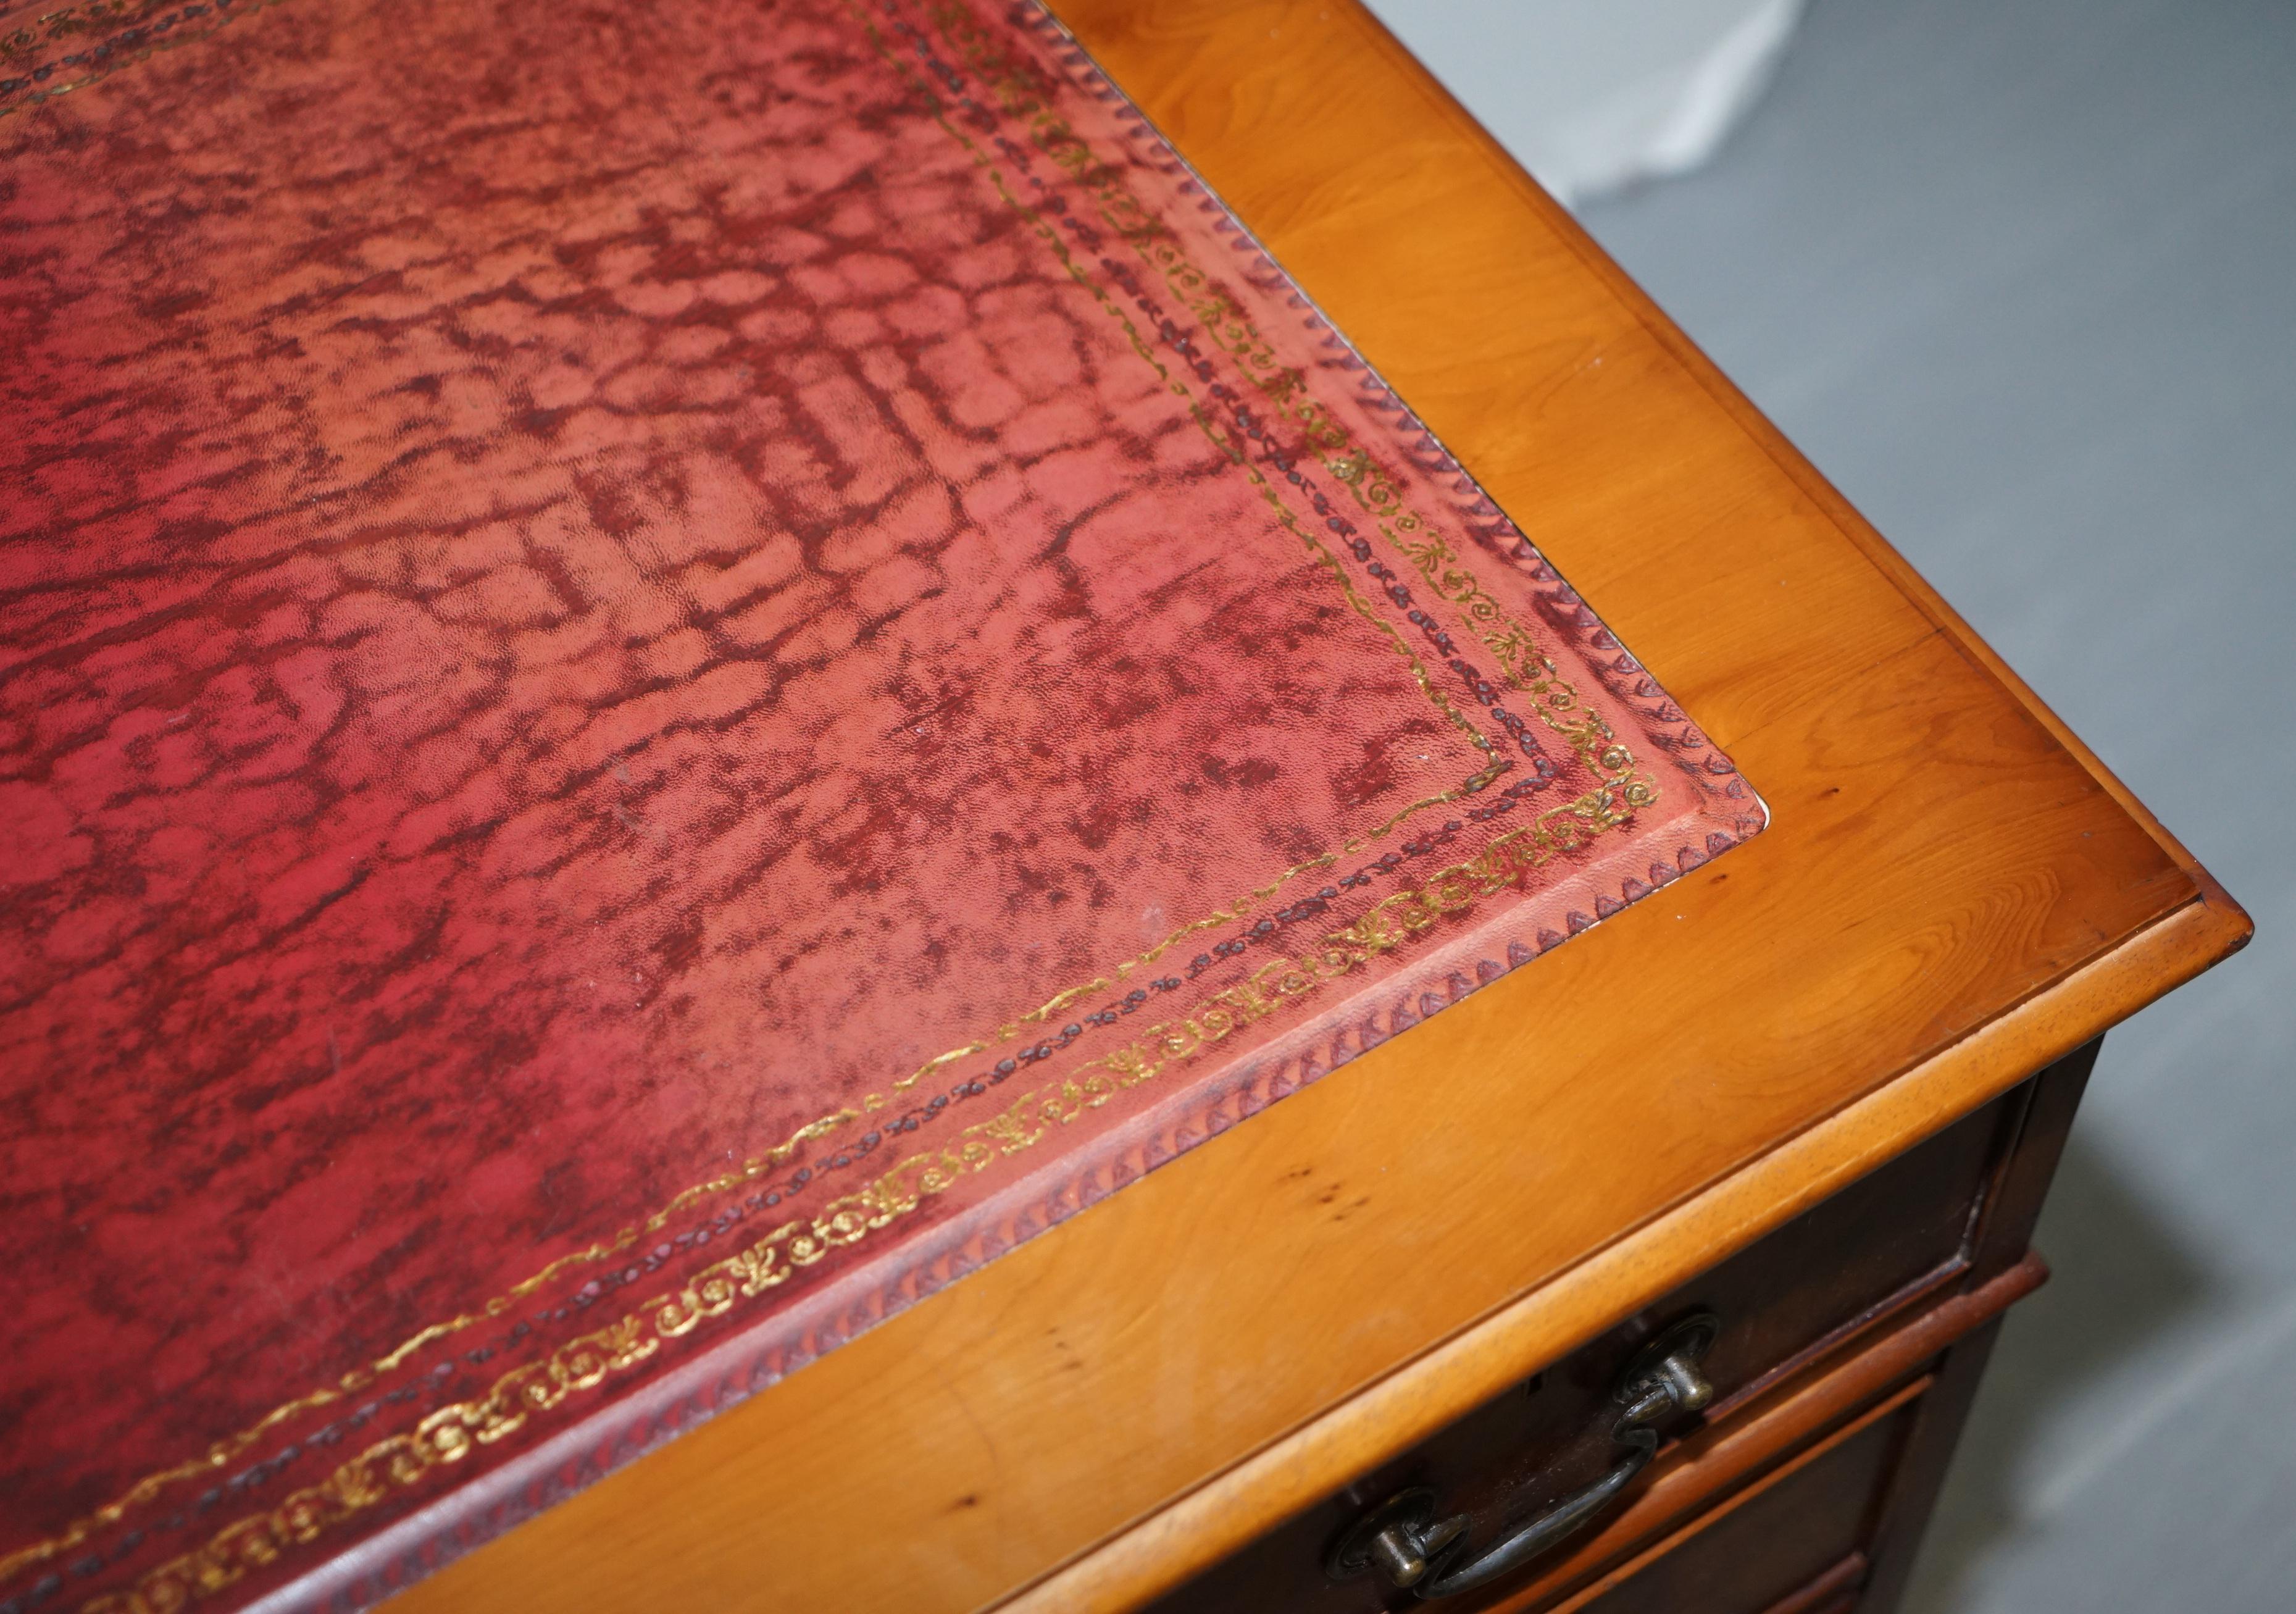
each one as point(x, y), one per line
point(1228, 1511)
point(1901, 573)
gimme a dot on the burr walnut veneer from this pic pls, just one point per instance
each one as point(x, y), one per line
point(1794, 1100)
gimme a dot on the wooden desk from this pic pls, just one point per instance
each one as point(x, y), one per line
point(1953, 896)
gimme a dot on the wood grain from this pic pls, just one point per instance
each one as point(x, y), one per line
point(1952, 893)
point(1793, 1306)
point(1738, 1556)
point(1921, 1469)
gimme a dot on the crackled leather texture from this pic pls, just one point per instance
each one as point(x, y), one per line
point(669, 672)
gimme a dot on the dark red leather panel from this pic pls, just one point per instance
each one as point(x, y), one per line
point(668, 672)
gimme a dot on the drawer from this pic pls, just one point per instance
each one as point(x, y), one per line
point(1876, 1248)
point(1792, 1544)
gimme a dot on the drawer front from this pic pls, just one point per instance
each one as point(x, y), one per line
point(1874, 1248)
point(1790, 1544)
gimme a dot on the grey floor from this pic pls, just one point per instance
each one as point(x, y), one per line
point(2020, 275)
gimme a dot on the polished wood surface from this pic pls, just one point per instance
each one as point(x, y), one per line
point(1887, 1273)
point(1921, 1469)
point(1952, 894)
point(1830, 1283)
point(1713, 1462)
point(1765, 1546)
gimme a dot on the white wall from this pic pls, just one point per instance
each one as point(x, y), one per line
point(1594, 95)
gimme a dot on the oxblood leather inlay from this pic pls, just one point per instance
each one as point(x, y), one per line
point(670, 672)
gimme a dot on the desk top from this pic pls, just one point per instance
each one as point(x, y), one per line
point(653, 722)
point(1951, 892)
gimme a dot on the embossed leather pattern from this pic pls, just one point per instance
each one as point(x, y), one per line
point(670, 672)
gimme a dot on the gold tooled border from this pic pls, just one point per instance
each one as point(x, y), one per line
point(1349, 461)
point(67, 16)
point(453, 1432)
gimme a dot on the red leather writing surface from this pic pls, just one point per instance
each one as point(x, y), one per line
point(670, 672)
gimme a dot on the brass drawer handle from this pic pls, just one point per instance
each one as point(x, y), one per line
point(1404, 1541)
